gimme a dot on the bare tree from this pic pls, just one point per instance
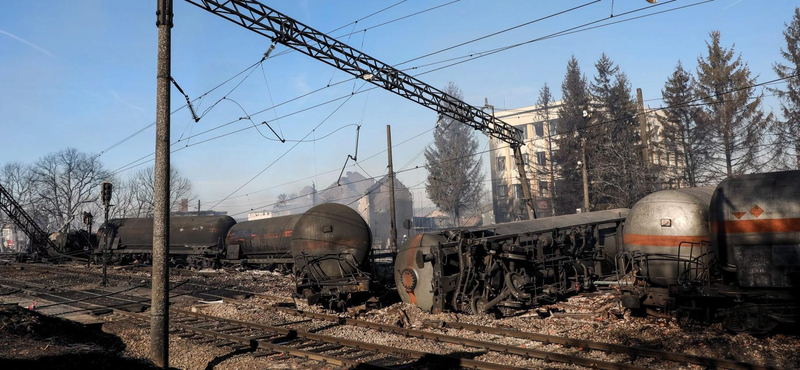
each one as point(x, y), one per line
point(140, 192)
point(67, 182)
point(451, 161)
point(732, 109)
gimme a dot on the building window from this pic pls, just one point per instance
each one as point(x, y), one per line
point(552, 127)
point(539, 128)
point(501, 163)
point(524, 129)
point(518, 193)
point(502, 191)
point(541, 158)
point(527, 158)
point(543, 189)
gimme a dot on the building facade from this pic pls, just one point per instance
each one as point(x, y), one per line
point(507, 194)
point(540, 131)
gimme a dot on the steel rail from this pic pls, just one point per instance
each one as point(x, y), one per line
point(422, 334)
point(609, 347)
point(592, 345)
point(261, 344)
point(383, 349)
point(598, 346)
point(444, 359)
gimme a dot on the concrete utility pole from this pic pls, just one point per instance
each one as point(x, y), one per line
point(643, 127)
point(393, 240)
point(585, 174)
point(159, 307)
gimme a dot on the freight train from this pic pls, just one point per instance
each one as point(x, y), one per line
point(328, 246)
point(729, 254)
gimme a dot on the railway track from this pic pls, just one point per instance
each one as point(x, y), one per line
point(236, 297)
point(267, 340)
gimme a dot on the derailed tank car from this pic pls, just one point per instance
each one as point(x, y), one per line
point(508, 266)
point(755, 228)
point(328, 246)
point(666, 242)
point(731, 256)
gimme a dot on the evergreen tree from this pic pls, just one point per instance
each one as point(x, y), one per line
point(682, 134)
point(732, 109)
point(788, 129)
point(618, 171)
point(545, 103)
point(571, 132)
point(455, 178)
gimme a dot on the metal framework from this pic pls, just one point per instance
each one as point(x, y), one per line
point(283, 29)
point(38, 237)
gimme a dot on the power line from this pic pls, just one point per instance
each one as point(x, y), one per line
point(498, 32)
point(557, 34)
point(289, 150)
point(137, 132)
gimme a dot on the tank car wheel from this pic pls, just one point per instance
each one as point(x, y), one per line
point(478, 305)
point(752, 323)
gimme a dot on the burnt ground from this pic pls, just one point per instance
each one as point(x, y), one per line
point(29, 340)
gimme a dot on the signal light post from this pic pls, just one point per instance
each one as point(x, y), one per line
point(105, 195)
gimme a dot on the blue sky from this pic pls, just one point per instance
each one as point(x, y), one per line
point(82, 74)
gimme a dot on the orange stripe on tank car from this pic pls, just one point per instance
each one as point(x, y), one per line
point(769, 225)
point(662, 240)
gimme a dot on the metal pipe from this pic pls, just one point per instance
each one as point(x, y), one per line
point(159, 314)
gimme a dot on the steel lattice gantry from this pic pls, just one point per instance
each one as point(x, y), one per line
point(283, 29)
point(38, 237)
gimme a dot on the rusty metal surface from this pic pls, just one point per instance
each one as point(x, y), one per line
point(184, 231)
point(413, 281)
point(265, 237)
point(332, 239)
point(755, 227)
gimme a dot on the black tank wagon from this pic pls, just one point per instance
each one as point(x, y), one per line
point(328, 246)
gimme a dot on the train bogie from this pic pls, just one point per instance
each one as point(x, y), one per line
point(507, 266)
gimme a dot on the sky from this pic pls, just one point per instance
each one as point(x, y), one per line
point(82, 74)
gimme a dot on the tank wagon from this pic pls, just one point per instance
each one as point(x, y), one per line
point(731, 256)
point(328, 246)
point(508, 266)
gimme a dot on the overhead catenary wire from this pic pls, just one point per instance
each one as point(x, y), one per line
point(137, 132)
point(557, 34)
point(287, 151)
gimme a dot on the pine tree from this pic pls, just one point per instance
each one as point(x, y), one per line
point(681, 131)
point(732, 109)
point(572, 127)
point(618, 172)
point(455, 178)
point(545, 103)
point(788, 129)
